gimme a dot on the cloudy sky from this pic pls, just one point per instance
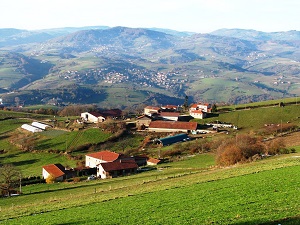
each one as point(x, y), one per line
point(183, 15)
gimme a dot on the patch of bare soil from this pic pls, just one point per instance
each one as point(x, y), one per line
point(292, 139)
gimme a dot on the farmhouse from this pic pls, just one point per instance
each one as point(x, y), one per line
point(198, 114)
point(92, 117)
point(172, 126)
point(94, 159)
point(31, 128)
point(169, 116)
point(150, 110)
point(117, 168)
point(205, 107)
point(57, 171)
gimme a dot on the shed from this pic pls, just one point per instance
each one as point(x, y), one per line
point(57, 171)
point(152, 161)
point(173, 139)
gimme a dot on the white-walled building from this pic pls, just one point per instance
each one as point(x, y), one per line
point(94, 159)
point(57, 171)
point(198, 114)
point(92, 117)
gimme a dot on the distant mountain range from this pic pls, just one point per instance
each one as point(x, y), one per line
point(121, 66)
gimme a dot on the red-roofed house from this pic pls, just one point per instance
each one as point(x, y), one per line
point(198, 114)
point(150, 110)
point(57, 171)
point(205, 107)
point(94, 159)
point(117, 168)
point(92, 117)
point(172, 126)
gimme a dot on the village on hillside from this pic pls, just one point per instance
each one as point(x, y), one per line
point(170, 121)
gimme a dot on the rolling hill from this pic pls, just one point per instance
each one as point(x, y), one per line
point(228, 65)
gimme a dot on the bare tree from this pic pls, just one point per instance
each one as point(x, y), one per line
point(10, 179)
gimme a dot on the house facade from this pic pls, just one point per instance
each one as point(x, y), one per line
point(198, 114)
point(150, 110)
point(116, 169)
point(92, 117)
point(94, 159)
point(205, 107)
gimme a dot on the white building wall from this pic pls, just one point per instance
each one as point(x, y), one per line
point(92, 162)
point(101, 172)
point(45, 174)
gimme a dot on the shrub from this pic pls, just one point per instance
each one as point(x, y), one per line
point(239, 149)
point(50, 179)
point(274, 146)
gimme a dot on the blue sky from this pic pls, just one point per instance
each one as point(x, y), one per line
point(200, 16)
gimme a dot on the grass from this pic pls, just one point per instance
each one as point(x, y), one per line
point(30, 164)
point(258, 117)
point(261, 192)
point(63, 140)
point(294, 100)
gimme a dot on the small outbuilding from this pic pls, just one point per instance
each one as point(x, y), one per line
point(153, 162)
point(173, 139)
point(57, 171)
point(92, 117)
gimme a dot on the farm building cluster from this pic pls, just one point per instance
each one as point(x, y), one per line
point(105, 164)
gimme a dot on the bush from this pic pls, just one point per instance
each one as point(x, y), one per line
point(239, 149)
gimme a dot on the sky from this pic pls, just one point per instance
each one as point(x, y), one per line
point(201, 16)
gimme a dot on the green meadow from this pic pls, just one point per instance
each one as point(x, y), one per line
point(262, 192)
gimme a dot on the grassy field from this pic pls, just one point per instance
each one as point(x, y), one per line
point(256, 118)
point(63, 140)
point(295, 100)
point(262, 192)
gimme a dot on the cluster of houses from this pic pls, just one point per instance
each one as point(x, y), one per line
point(154, 119)
point(106, 164)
